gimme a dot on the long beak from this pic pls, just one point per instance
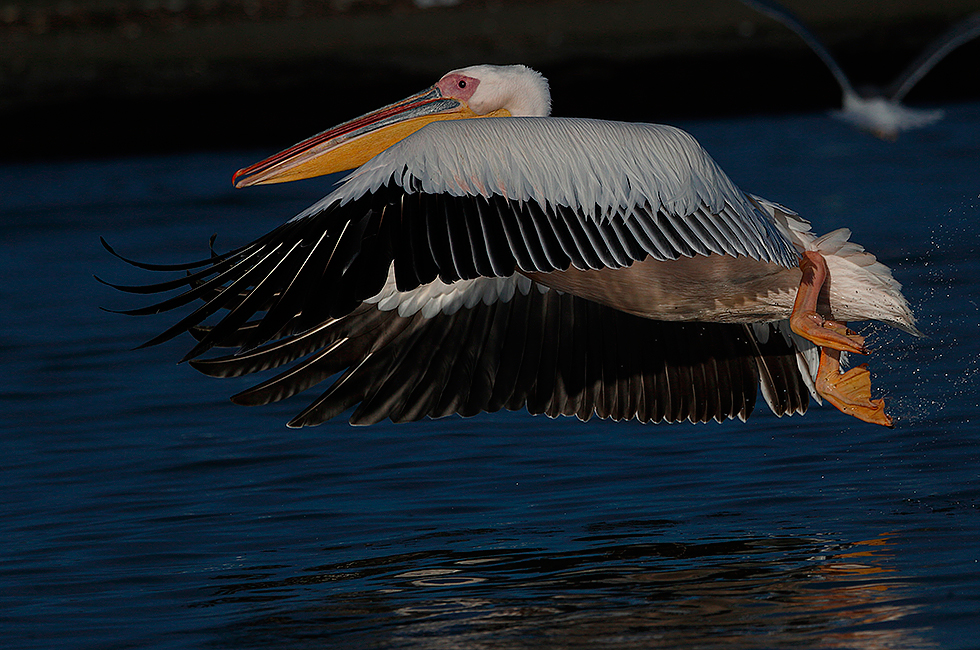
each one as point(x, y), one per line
point(353, 143)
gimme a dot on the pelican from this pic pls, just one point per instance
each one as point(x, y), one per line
point(879, 111)
point(483, 255)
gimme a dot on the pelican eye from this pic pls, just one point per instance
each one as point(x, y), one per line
point(461, 83)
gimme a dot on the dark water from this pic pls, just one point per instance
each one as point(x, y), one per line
point(141, 509)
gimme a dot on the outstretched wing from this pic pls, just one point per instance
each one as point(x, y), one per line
point(477, 198)
point(491, 344)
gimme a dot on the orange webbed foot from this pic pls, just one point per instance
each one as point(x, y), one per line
point(850, 392)
point(827, 333)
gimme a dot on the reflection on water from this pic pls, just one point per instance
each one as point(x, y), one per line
point(770, 592)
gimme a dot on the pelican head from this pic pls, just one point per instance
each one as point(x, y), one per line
point(476, 91)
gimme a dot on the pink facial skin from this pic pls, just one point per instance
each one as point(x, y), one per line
point(458, 86)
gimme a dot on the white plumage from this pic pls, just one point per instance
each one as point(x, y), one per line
point(608, 166)
point(608, 169)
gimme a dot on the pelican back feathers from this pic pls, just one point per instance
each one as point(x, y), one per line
point(599, 169)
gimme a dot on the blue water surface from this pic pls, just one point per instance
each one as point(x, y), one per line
point(141, 509)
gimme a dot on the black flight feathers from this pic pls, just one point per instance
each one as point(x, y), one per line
point(299, 291)
point(547, 352)
point(325, 264)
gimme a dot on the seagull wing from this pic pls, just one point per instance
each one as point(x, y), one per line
point(962, 32)
point(792, 21)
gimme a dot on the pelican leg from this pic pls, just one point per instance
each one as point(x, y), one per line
point(805, 320)
point(850, 392)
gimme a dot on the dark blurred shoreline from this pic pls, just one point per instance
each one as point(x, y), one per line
point(82, 78)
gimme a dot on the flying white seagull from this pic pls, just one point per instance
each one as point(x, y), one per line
point(880, 111)
point(565, 266)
